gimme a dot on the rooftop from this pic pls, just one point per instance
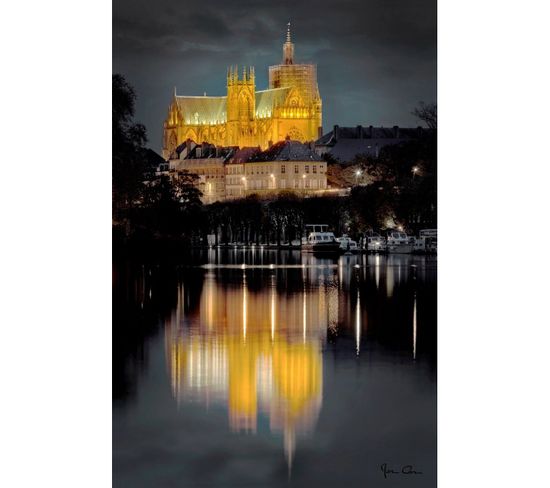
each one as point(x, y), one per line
point(286, 151)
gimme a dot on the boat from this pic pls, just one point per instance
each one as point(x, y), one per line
point(320, 240)
point(426, 242)
point(399, 242)
point(375, 242)
point(347, 244)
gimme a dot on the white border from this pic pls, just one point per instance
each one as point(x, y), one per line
point(56, 272)
point(493, 265)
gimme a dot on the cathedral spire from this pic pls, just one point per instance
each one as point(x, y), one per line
point(288, 47)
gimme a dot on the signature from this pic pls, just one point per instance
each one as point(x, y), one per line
point(405, 469)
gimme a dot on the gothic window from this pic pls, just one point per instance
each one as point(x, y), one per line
point(245, 108)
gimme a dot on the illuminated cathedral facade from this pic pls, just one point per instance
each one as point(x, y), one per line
point(291, 107)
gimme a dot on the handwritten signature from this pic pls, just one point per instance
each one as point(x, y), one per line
point(406, 469)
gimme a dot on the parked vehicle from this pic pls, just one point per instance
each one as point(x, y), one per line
point(347, 244)
point(320, 240)
point(399, 242)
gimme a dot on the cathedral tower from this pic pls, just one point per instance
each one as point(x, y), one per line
point(241, 107)
point(288, 48)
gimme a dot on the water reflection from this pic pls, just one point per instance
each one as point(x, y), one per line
point(255, 353)
point(303, 356)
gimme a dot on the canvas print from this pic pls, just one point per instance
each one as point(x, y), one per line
point(274, 243)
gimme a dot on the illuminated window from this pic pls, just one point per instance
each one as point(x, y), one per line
point(283, 169)
point(296, 168)
point(314, 169)
point(307, 168)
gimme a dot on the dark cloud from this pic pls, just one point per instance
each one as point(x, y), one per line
point(376, 58)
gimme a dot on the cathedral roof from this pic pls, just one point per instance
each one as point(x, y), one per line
point(209, 109)
point(287, 151)
point(266, 100)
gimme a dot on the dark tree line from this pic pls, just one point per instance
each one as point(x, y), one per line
point(146, 205)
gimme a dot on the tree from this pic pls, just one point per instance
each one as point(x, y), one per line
point(129, 138)
point(427, 113)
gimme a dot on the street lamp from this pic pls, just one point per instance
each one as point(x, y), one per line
point(357, 175)
point(414, 171)
point(273, 180)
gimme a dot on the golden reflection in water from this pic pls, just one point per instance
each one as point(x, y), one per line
point(256, 352)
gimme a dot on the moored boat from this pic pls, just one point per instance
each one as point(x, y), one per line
point(399, 243)
point(375, 242)
point(426, 242)
point(320, 240)
point(347, 244)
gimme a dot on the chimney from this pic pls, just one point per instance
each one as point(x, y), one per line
point(336, 132)
point(359, 132)
point(396, 132)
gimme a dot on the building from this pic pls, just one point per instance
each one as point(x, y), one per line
point(285, 166)
point(245, 117)
point(207, 162)
point(344, 143)
point(230, 172)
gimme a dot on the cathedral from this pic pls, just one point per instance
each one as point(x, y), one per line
point(290, 108)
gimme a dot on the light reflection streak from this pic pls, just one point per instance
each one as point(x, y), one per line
point(377, 270)
point(273, 291)
point(414, 327)
point(358, 324)
point(245, 306)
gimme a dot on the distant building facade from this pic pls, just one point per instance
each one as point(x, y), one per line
point(285, 166)
point(344, 143)
point(230, 172)
point(291, 106)
point(207, 162)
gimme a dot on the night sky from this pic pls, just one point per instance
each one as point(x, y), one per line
point(376, 59)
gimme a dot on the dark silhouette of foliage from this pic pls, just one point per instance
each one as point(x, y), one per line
point(427, 113)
